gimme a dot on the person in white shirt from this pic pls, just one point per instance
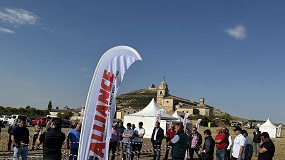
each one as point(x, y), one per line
point(138, 140)
point(238, 146)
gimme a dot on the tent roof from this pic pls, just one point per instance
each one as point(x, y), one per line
point(268, 124)
point(150, 111)
point(176, 115)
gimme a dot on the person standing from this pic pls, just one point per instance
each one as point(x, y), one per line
point(20, 139)
point(248, 148)
point(121, 129)
point(256, 140)
point(156, 140)
point(267, 148)
point(195, 141)
point(11, 127)
point(169, 135)
point(221, 144)
point(238, 146)
point(1, 126)
point(114, 140)
point(38, 129)
point(178, 143)
point(72, 141)
point(138, 140)
point(52, 140)
point(229, 137)
point(127, 139)
point(208, 147)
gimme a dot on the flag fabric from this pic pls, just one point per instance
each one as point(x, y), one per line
point(279, 129)
point(185, 120)
point(158, 115)
point(198, 124)
point(100, 105)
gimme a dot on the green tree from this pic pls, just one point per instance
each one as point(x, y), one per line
point(49, 106)
point(28, 107)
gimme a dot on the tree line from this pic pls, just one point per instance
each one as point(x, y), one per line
point(28, 111)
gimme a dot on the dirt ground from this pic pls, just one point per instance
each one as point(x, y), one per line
point(37, 154)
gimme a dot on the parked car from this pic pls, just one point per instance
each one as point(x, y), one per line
point(43, 121)
point(5, 119)
point(235, 124)
point(30, 121)
point(15, 116)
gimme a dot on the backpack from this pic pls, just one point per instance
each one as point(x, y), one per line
point(248, 151)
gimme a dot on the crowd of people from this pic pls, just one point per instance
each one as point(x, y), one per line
point(52, 139)
point(180, 140)
point(184, 143)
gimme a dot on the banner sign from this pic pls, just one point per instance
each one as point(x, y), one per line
point(100, 105)
point(279, 129)
point(158, 115)
point(185, 120)
point(198, 124)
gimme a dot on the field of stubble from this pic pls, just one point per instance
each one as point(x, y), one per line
point(37, 154)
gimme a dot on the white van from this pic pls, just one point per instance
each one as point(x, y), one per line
point(13, 117)
point(5, 119)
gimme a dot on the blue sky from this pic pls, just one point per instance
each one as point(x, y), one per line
point(229, 52)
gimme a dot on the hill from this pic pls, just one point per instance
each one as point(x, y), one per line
point(136, 99)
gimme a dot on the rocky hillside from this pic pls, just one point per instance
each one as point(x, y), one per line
point(137, 99)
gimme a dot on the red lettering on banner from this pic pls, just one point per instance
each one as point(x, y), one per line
point(100, 120)
point(99, 128)
point(98, 148)
point(102, 109)
point(108, 77)
point(96, 137)
point(106, 87)
point(104, 96)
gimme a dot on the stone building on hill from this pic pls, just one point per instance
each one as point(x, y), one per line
point(172, 103)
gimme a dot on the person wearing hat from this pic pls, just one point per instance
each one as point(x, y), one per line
point(238, 146)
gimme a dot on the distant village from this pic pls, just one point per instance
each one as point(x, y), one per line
point(170, 104)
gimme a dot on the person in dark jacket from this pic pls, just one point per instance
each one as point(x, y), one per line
point(209, 146)
point(20, 140)
point(156, 139)
point(256, 140)
point(179, 143)
point(52, 140)
point(11, 127)
point(195, 141)
point(267, 148)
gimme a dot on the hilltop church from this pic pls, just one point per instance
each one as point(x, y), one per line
point(170, 103)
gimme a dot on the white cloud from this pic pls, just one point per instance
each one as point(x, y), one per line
point(82, 69)
point(6, 30)
point(237, 32)
point(17, 16)
point(48, 29)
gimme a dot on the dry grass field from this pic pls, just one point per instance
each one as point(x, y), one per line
point(37, 154)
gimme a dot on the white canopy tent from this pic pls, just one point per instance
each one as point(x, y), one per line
point(176, 115)
point(269, 127)
point(147, 116)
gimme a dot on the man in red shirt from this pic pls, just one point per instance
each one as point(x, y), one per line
point(169, 135)
point(221, 144)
